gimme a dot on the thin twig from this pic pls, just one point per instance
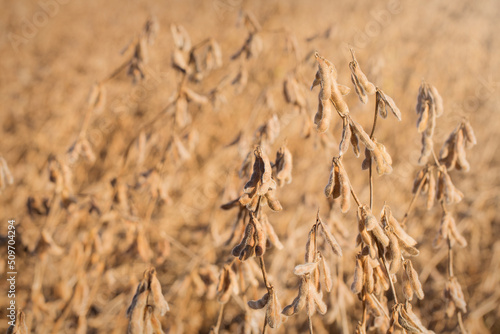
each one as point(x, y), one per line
point(219, 320)
point(461, 323)
point(412, 202)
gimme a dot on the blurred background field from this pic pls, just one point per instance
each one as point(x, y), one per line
point(152, 195)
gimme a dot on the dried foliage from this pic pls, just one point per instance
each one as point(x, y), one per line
point(198, 155)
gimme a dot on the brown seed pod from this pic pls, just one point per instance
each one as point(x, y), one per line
point(406, 248)
point(359, 89)
point(20, 326)
point(437, 100)
point(306, 268)
point(389, 104)
point(283, 166)
point(326, 78)
point(454, 293)
point(346, 137)
point(260, 303)
point(260, 236)
point(359, 77)
point(225, 286)
point(379, 233)
point(423, 119)
point(273, 203)
point(247, 238)
point(300, 301)
point(327, 281)
point(443, 232)
point(381, 108)
point(345, 190)
point(421, 177)
point(311, 246)
point(469, 133)
point(367, 161)
point(462, 163)
point(332, 181)
point(357, 284)
point(382, 277)
point(362, 135)
point(409, 321)
point(427, 146)
point(271, 234)
point(407, 289)
point(318, 300)
point(338, 100)
point(273, 314)
point(454, 233)
point(344, 90)
point(323, 115)
point(451, 194)
point(394, 252)
point(354, 143)
point(331, 239)
point(159, 302)
point(368, 218)
point(369, 282)
point(413, 279)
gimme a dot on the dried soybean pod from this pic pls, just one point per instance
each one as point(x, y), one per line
point(381, 108)
point(345, 190)
point(273, 314)
point(361, 78)
point(249, 232)
point(418, 179)
point(455, 234)
point(423, 119)
point(344, 90)
point(338, 100)
point(469, 133)
point(414, 281)
point(284, 165)
point(331, 181)
point(367, 161)
point(323, 116)
point(457, 295)
point(395, 253)
point(460, 149)
point(369, 282)
point(272, 201)
point(326, 78)
point(331, 239)
point(260, 235)
point(346, 137)
point(160, 303)
point(357, 284)
point(362, 135)
point(360, 91)
point(271, 234)
point(305, 268)
point(407, 289)
point(354, 143)
point(260, 303)
point(443, 232)
point(327, 275)
point(389, 102)
point(438, 100)
point(310, 246)
point(380, 235)
point(317, 80)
